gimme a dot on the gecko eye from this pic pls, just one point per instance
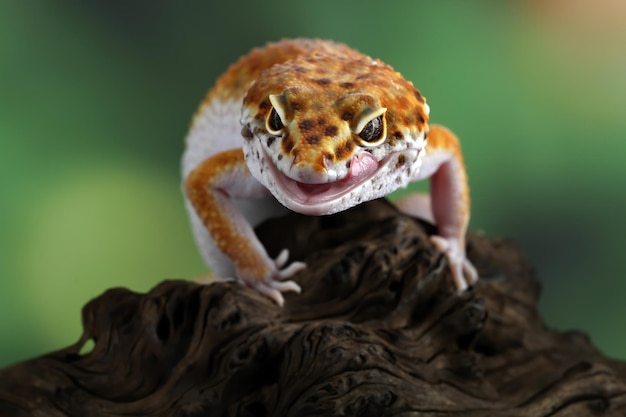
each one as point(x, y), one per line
point(274, 124)
point(373, 131)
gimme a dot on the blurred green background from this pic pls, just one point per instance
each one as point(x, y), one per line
point(96, 97)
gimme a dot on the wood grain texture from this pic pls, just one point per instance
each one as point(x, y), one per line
point(378, 331)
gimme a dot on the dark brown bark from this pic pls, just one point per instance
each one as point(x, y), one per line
point(377, 331)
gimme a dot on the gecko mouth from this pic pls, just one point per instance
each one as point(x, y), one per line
point(313, 198)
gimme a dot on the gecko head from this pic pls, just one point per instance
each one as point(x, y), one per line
point(325, 133)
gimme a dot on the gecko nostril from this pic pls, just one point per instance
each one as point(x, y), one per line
point(296, 157)
point(323, 161)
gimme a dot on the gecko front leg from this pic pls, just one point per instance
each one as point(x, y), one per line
point(210, 187)
point(448, 205)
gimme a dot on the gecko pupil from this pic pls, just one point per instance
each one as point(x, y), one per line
point(372, 130)
point(274, 122)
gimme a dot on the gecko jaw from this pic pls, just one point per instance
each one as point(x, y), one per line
point(323, 198)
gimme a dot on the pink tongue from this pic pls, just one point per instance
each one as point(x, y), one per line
point(361, 166)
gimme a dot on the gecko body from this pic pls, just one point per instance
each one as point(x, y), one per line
point(315, 127)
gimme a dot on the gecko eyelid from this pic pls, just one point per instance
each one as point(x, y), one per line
point(274, 123)
point(373, 133)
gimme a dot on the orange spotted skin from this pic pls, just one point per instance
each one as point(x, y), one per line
point(217, 218)
point(322, 102)
point(351, 82)
point(234, 83)
point(317, 127)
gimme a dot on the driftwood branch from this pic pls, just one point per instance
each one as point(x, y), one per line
point(378, 331)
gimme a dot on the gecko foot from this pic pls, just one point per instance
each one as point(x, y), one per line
point(274, 284)
point(463, 272)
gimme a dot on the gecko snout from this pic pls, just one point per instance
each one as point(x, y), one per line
point(309, 174)
point(309, 166)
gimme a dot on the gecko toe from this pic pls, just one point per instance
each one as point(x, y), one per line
point(457, 276)
point(272, 293)
point(291, 270)
point(442, 244)
point(282, 258)
point(463, 272)
point(470, 273)
point(288, 271)
point(284, 286)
